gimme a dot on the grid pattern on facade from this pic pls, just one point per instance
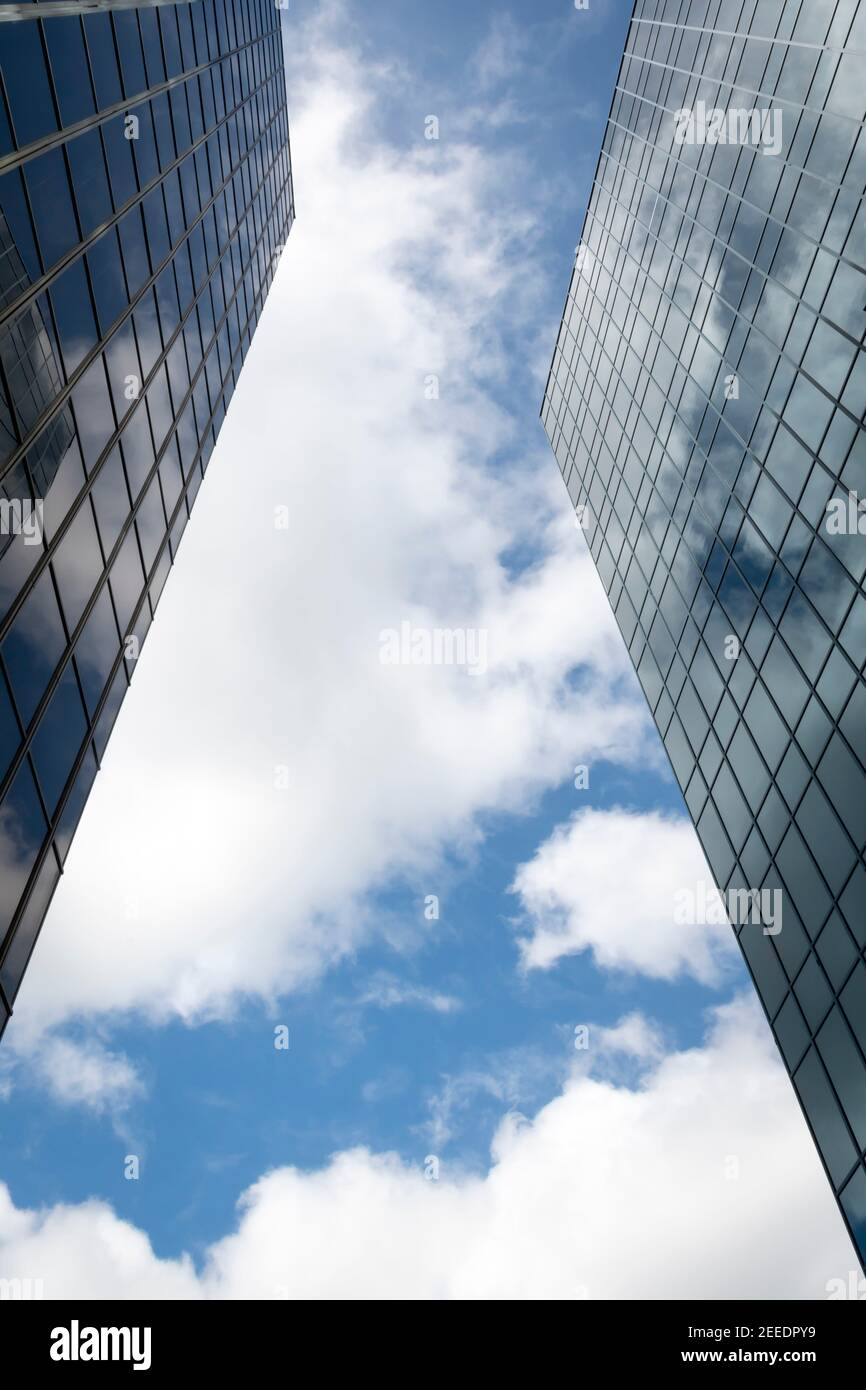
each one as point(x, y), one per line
point(145, 195)
point(705, 405)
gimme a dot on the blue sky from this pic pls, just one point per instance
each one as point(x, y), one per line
point(202, 907)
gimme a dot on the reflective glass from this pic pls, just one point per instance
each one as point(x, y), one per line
point(728, 532)
point(100, 362)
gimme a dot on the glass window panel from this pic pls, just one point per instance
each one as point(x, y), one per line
point(167, 21)
point(825, 1116)
point(844, 1062)
point(18, 243)
point(93, 416)
point(845, 783)
point(854, 1003)
point(33, 646)
point(76, 326)
point(845, 298)
point(716, 844)
point(127, 581)
point(135, 259)
point(27, 84)
point(106, 275)
point(170, 477)
point(805, 635)
point(808, 412)
point(90, 181)
point(96, 649)
point(51, 201)
point(147, 334)
point(121, 167)
point(10, 737)
point(69, 65)
point(837, 952)
point(784, 683)
point(103, 61)
point(152, 47)
point(732, 808)
point(131, 56)
point(764, 963)
point(58, 738)
point(853, 721)
point(137, 448)
point(150, 522)
point(853, 905)
point(159, 406)
point(123, 369)
point(77, 565)
point(791, 1032)
point(18, 953)
point(827, 585)
point(75, 804)
point(854, 1205)
point(157, 227)
point(802, 880)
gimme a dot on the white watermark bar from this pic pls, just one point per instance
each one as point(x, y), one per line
point(716, 125)
point(706, 906)
point(21, 517)
point(434, 646)
point(846, 516)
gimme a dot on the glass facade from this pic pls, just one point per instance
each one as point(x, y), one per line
point(705, 405)
point(145, 196)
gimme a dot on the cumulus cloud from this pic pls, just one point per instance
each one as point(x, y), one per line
point(85, 1251)
point(83, 1072)
point(609, 1192)
point(634, 1036)
point(606, 882)
point(268, 772)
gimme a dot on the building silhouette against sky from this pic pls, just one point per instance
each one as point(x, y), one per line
point(145, 195)
point(705, 405)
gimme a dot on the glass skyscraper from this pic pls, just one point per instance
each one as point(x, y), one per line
point(705, 405)
point(145, 195)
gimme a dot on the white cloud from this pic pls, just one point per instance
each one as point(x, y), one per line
point(501, 55)
point(87, 1252)
point(194, 881)
point(384, 991)
point(609, 1192)
point(516, 1076)
point(84, 1073)
point(634, 1036)
point(606, 882)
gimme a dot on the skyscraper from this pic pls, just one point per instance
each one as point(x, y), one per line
point(705, 405)
point(145, 194)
